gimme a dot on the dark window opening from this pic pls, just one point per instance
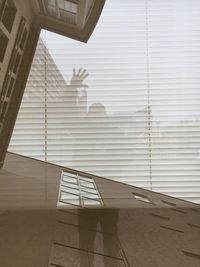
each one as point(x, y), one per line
point(16, 64)
point(4, 88)
point(3, 45)
point(10, 88)
point(190, 254)
point(8, 12)
point(171, 229)
point(1, 6)
point(168, 203)
point(159, 216)
point(3, 111)
point(23, 40)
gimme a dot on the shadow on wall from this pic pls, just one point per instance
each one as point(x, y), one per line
point(98, 234)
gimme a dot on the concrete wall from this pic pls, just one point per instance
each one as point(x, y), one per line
point(125, 232)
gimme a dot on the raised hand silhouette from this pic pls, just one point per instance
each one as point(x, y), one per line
point(78, 78)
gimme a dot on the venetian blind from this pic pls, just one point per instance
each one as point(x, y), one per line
point(138, 119)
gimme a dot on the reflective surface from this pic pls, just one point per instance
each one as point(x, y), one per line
point(135, 116)
point(135, 227)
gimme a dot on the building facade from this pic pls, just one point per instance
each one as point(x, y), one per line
point(55, 216)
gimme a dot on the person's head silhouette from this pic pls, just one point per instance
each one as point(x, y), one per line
point(98, 110)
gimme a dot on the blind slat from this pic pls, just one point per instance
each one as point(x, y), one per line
point(138, 118)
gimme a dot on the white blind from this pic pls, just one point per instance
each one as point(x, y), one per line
point(138, 121)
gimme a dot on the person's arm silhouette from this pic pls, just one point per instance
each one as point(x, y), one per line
point(77, 81)
point(78, 78)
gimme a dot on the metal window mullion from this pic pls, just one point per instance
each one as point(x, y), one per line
point(80, 193)
point(100, 198)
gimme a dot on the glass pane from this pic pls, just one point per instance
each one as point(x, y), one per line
point(88, 190)
point(69, 179)
point(91, 203)
point(66, 195)
point(86, 184)
point(68, 184)
point(88, 195)
point(86, 179)
point(70, 190)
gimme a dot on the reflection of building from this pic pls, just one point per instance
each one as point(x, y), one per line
point(43, 128)
point(42, 107)
point(74, 134)
point(20, 25)
point(127, 226)
point(120, 146)
point(55, 124)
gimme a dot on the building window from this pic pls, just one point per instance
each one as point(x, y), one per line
point(167, 203)
point(3, 45)
point(13, 67)
point(79, 191)
point(142, 198)
point(7, 14)
point(10, 87)
point(1, 2)
point(68, 6)
point(3, 111)
point(63, 10)
point(16, 63)
point(23, 39)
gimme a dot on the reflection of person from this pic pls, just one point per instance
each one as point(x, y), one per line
point(97, 135)
point(105, 138)
point(97, 227)
point(97, 109)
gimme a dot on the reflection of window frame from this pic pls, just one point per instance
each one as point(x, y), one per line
point(13, 68)
point(84, 193)
point(62, 13)
point(7, 14)
point(74, 3)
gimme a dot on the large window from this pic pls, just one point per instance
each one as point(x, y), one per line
point(78, 191)
point(134, 114)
